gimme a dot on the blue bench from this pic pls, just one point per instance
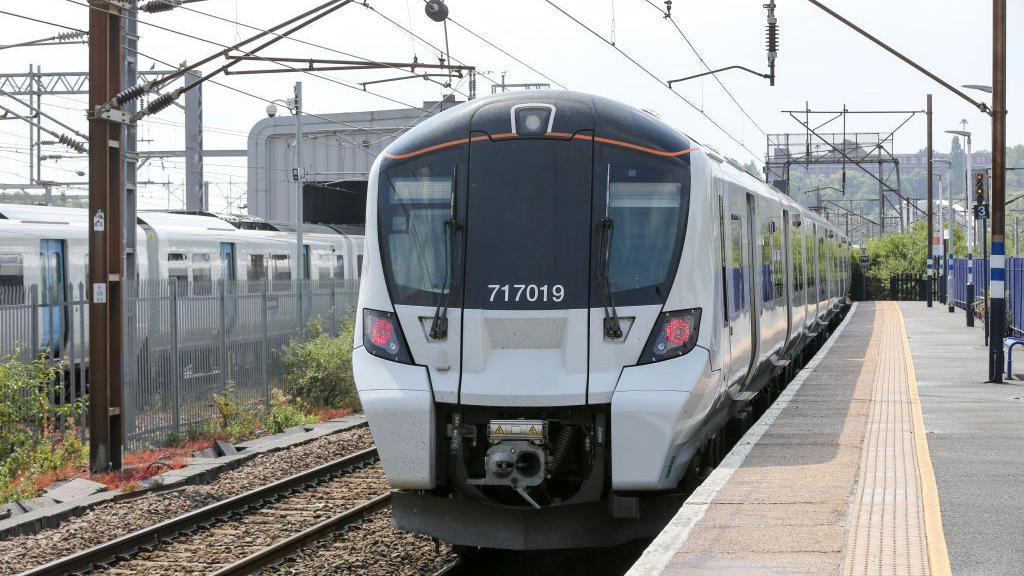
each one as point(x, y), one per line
point(1008, 344)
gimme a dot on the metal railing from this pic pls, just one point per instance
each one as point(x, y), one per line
point(184, 342)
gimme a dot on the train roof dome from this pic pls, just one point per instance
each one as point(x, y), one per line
point(571, 113)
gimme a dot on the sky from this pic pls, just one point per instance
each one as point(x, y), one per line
point(821, 63)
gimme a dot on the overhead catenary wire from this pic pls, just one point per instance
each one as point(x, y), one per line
point(506, 53)
point(656, 78)
point(296, 69)
point(236, 22)
point(682, 34)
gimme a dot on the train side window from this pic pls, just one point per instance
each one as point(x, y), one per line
point(257, 267)
point(359, 266)
point(323, 267)
point(797, 254)
point(12, 279)
point(809, 251)
point(202, 280)
point(339, 267)
point(768, 273)
point(737, 263)
point(281, 272)
point(822, 263)
point(778, 260)
point(177, 268)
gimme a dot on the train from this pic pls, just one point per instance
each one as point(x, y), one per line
point(565, 300)
point(45, 249)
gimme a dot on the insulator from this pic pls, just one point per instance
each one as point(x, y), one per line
point(161, 102)
point(668, 8)
point(68, 36)
point(71, 143)
point(773, 36)
point(129, 94)
point(154, 6)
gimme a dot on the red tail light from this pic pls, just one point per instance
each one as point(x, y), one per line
point(674, 334)
point(382, 336)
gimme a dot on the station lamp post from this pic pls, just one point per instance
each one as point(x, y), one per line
point(969, 299)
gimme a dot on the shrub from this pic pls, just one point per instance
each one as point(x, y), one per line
point(285, 414)
point(236, 422)
point(320, 368)
point(33, 443)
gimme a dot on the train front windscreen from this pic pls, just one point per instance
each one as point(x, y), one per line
point(539, 224)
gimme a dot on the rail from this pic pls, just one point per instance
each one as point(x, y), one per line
point(119, 549)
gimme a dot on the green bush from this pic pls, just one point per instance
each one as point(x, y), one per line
point(320, 368)
point(32, 443)
point(237, 423)
point(905, 253)
point(285, 414)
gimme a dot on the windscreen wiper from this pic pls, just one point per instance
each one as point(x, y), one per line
point(612, 327)
point(439, 324)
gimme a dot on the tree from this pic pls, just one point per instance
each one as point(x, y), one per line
point(905, 253)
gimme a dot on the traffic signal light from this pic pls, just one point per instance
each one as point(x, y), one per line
point(980, 186)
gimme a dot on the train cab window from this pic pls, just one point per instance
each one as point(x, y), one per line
point(415, 201)
point(12, 279)
point(257, 267)
point(647, 200)
point(202, 280)
point(339, 268)
point(177, 269)
point(281, 272)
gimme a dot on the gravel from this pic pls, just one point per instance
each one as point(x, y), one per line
point(227, 541)
point(111, 520)
point(371, 548)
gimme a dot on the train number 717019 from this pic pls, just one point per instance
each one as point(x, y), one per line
point(527, 292)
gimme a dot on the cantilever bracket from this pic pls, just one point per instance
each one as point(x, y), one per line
point(744, 68)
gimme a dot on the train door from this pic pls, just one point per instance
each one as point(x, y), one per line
point(53, 296)
point(527, 284)
point(787, 265)
point(740, 288)
point(228, 275)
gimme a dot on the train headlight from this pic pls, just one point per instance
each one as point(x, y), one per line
point(532, 120)
point(674, 334)
point(382, 336)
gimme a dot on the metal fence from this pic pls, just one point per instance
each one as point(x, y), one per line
point(183, 343)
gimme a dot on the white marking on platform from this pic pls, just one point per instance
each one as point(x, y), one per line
point(661, 551)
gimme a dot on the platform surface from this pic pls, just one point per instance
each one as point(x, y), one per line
point(976, 439)
point(885, 455)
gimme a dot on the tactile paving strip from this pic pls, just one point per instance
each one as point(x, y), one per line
point(887, 517)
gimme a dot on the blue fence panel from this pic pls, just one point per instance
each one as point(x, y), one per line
point(1015, 294)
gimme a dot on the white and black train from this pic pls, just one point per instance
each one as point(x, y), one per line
point(563, 301)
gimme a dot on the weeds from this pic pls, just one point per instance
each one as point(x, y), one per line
point(320, 368)
point(37, 436)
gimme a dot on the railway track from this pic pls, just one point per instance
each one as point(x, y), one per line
point(247, 532)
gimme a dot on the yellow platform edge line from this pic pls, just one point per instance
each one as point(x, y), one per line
point(938, 555)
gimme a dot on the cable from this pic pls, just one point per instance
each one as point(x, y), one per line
point(281, 64)
point(705, 64)
point(42, 21)
point(651, 74)
point(506, 53)
point(307, 43)
point(422, 39)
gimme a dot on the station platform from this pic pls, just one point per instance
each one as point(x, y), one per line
point(886, 455)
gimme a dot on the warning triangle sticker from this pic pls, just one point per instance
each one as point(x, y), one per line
point(499, 430)
point(533, 430)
